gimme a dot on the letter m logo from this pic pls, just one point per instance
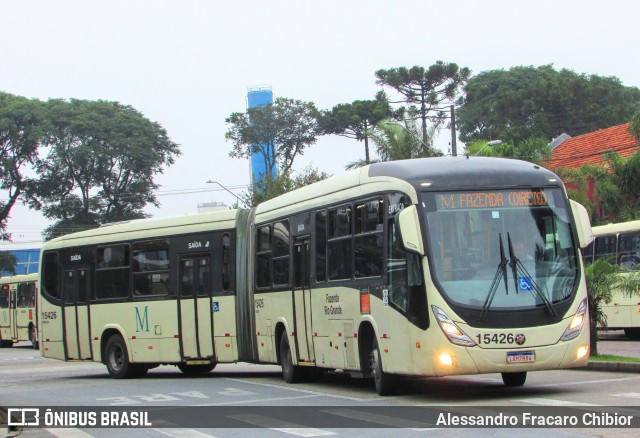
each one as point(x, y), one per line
point(142, 321)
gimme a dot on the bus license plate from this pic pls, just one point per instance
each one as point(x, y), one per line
point(521, 356)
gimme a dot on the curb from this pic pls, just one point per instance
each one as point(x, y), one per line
point(623, 367)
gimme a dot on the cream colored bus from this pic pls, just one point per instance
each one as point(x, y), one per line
point(18, 315)
point(426, 267)
point(619, 244)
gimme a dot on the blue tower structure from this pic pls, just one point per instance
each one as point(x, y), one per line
point(256, 97)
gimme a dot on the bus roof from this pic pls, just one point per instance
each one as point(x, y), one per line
point(443, 173)
point(19, 278)
point(147, 225)
point(621, 227)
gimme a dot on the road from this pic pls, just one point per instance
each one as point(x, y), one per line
point(26, 379)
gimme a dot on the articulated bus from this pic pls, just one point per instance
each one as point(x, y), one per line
point(619, 244)
point(18, 311)
point(426, 267)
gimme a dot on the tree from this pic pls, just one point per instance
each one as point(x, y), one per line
point(601, 277)
point(8, 262)
point(100, 165)
point(20, 133)
point(540, 102)
point(428, 92)
point(534, 150)
point(270, 187)
point(279, 131)
point(395, 141)
point(357, 119)
point(634, 127)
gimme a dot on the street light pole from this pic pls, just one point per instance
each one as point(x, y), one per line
point(236, 196)
point(489, 143)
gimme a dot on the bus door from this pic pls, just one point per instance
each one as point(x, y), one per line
point(302, 300)
point(195, 307)
point(75, 296)
point(13, 311)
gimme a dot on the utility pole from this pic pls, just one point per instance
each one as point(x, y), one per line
point(454, 146)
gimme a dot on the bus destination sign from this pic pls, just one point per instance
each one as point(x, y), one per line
point(491, 199)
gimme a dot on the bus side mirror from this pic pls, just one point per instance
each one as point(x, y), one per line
point(409, 225)
point(583, 224)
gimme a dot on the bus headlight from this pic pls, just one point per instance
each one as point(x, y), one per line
point(576, 323)
point(453, 332)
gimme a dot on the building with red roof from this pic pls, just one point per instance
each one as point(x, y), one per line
point(575, 152)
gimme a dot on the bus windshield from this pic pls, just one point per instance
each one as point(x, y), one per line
point(518, 242)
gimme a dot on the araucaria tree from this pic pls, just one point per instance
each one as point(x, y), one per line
point(279, 131)
point(357, 120)
point(20, 132)
point(428, 92)
point(100, 163)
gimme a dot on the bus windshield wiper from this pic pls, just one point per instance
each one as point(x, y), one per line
point(501, 271)
point(518, 269)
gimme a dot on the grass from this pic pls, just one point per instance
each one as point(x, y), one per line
point(612, 358)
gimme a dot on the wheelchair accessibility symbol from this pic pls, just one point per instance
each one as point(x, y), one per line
point(525, 283)
point(216, 306)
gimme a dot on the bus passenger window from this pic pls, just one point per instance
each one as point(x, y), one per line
point(321, 246)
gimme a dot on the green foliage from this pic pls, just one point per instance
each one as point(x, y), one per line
point(540, 102)
point(20, 133)
point(269, 187)
point(428, 92)
point(534, 150)
point(634, 127)
point(291, 125)
point(357, 119)
point(8, 262)
point(100, 164)
point(601, 278)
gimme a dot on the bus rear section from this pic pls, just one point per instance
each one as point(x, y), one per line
point(18, 315)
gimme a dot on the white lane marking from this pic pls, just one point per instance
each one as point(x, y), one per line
point(583, 382)
point(281, 426)
point(305, 391)
point(68, 433)
point(384, 420)
point(183, 433)
point(552, 402)
point(258, 400)
point(628, 395)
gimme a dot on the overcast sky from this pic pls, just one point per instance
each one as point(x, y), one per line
point(187, 64)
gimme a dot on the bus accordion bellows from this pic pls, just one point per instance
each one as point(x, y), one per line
point(18, 312)
point(619, 244)
point(425, 267)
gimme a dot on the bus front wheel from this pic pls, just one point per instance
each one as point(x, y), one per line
point(290, 372)
point(514, 379)
point(117, 360)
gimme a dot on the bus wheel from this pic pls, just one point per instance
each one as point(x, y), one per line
point(117, 360)
point(514, 379)
point(290, 372)
point(632, 333)
point(384, 382)
point(194, 370)
point(33, 335)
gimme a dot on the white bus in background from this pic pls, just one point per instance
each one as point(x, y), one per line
point(18, 312)
point(619, 244)
point(427, 267)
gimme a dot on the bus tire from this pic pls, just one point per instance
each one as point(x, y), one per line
point(117, 360)
point(384, 382)
point(290, 372)
point(514, 379)
point(632, 333)
point(33, 336)
point(194, 370)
